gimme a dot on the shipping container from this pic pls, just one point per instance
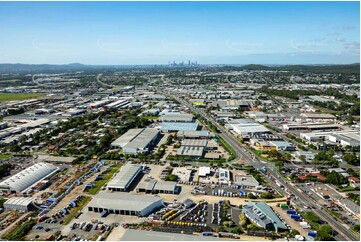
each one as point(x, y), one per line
point(312, 234)
point(291, 211)
point(295, 216)
point(51, 200)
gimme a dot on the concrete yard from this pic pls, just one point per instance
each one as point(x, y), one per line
point(292, 223)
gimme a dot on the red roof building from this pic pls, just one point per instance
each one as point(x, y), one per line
point(318, 175)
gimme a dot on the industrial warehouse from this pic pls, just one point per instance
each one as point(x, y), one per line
point(262, 215)
point(187, 118)
point(246, 127)
point(21, 204)
point(124, 178)
point(179, 126)
point(125, 204)
point(154, 186)
point(23, 181)
point(136, 141)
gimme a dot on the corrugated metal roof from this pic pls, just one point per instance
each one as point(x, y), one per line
point(176, 118)
point(123, 201)
point(19, 201)
point(195, 142)
point(195, 134)
point(124, 176)
point(126, 138)
point(29, 177)
point(147, 185)
point(270, 214)
point(179, 126)
point(190, 151)
point(142, 140)
point(165, 186)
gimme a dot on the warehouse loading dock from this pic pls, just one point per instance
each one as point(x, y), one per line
point(154, 186)
point(125, 204)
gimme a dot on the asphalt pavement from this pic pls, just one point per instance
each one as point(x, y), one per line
point(343, 233)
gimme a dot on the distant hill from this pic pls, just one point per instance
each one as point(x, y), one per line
point(14, 68)
point(349, 69)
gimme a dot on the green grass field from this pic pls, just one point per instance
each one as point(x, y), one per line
point(5, 156)
point(19, 96)
point(106, 177)
point(197, 103)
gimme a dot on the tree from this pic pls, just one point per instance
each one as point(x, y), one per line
point(5, 169)
point(266, 195)
point(171, 177)
point(335, 178)
point(169, 140)
point(356, 227)
point(105, 140)
point(352, 172)
point(227, 223)
point(351, 159)
point(251, 196)
point(325, 233)
point(236, 230)
point(243, 220)
point(220, 229)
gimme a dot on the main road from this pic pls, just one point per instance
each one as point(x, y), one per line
point(343, 232)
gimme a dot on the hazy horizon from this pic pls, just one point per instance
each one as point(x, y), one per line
point(154, 33)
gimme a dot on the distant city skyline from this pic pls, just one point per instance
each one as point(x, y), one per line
point(136, 33)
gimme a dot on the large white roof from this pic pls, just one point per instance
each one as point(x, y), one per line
point(127, 137)
point(204, 170)
point(142, 140)
point(29, 177)
point(123, 201)
point(124, 176)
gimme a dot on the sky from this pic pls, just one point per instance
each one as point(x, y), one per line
point(121, 33)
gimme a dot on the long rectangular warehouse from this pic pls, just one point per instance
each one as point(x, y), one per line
point(311, 126)
point(125, 204)
point(124, 178)
point(187, 118)
point(136, 140)
point(179, 126)
point(26, 179)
